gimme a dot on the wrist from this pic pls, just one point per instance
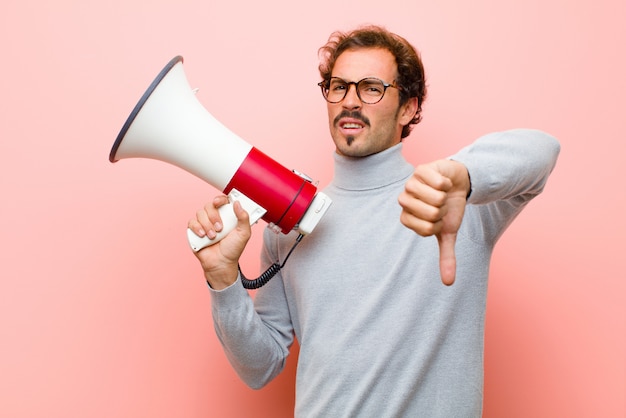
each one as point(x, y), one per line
point(462, 180)
point(220, 280)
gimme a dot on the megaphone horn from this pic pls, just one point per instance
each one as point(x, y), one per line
point(169, 124)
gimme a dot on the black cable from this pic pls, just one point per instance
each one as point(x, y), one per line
point(269, 273)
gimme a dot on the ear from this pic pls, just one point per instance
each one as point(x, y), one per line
point(407, 111)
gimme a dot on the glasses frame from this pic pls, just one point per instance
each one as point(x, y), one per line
point(325, 87)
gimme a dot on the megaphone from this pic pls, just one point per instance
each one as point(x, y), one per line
point(170, 124)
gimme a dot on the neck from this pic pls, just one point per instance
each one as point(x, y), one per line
point(374, 171)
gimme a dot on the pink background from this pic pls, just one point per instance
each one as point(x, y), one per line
point(103, 309)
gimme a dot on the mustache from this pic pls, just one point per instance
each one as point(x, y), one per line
point(352, 115)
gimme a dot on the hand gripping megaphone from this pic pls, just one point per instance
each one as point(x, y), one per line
point(170, 124)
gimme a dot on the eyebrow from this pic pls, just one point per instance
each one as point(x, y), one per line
point(392, 83)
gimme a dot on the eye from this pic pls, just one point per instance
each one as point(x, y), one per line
point(337, 86)
point(372, 87)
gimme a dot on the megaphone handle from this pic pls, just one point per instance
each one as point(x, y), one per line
point(229, 220)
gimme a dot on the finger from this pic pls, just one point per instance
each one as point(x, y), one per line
point(220, 200)
point(421, 209)
point(208, 221)
point(419, 225)
point(243, 219)
point(447, 258)
point(433, 176)
point(416, 190)
point(196, 227)
point(201, 224)
point(215, 220)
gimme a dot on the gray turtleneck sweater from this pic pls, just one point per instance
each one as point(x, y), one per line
point(379, 334)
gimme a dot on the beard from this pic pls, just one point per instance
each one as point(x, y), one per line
point(352, 115)
point(369, 140)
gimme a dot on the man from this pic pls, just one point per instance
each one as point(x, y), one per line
point(379, 334)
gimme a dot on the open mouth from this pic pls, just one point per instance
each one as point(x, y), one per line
point(350, 125)
point(351, 121)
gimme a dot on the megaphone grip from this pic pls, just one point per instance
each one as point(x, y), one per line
point(229, 220)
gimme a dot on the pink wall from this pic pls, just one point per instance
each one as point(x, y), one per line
point(103, 310)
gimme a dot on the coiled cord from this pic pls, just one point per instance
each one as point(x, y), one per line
point(269, 273)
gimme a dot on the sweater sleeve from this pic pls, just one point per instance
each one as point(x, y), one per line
point(256, 349)
point(507, 169)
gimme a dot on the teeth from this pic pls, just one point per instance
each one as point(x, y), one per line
point(351, 126)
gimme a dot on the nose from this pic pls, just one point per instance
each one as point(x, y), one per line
point(352, 100)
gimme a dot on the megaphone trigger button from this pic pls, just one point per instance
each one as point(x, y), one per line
point(321, 205)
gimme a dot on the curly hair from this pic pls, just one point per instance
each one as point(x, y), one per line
point(411, 77)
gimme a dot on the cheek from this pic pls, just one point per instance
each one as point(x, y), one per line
point(387, 119)
point(332, 114)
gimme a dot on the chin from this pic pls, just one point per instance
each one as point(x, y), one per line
point(354, 152)
point(353, 146)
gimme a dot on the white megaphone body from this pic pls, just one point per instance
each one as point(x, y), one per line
point(170, 124)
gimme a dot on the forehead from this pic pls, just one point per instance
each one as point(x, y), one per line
point(356, 64)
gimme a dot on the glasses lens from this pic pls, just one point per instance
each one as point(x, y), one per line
point(337, 89)
point(371, 90)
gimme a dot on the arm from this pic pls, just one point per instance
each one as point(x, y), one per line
point(256, 350)
point(511, 166)
point(507, 169)
point(257, 347)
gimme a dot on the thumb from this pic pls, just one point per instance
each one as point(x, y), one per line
point(243, 217)
point(243, 220)
point(447, 258)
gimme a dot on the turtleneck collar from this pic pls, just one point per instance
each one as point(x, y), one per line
point(371, 172)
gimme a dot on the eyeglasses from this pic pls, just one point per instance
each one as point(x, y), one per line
point(369, 90)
